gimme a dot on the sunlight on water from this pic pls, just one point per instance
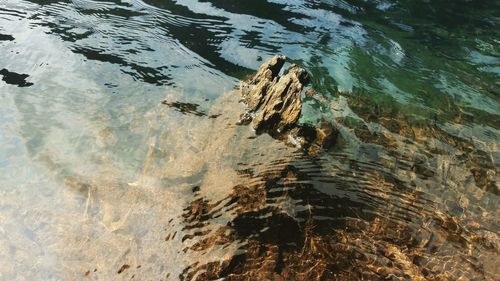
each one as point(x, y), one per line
point(120, 156)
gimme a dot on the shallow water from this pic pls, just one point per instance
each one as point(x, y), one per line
point(100, 180)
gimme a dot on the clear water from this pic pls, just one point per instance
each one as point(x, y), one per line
point(99, 180)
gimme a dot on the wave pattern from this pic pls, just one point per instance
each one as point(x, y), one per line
point(120, 157)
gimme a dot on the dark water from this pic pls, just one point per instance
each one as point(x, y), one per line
point(101, 180)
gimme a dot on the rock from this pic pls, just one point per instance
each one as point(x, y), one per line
point(268, 70)
point(274, 106)
point(312, 139)
point(274, 100)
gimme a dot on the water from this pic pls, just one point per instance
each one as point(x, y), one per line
point(100, 180)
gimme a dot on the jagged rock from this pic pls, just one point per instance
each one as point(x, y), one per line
point(274, 106)
point(274, 100)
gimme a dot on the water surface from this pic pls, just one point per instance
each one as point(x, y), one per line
point(99, 179)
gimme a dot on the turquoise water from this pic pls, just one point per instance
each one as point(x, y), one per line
point(95, 172)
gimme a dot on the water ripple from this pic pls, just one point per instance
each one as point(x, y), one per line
point(122, 136)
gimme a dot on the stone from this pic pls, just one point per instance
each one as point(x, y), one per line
point(274, 106)
point(274, 100)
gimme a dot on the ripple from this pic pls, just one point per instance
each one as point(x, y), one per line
point(176, 190)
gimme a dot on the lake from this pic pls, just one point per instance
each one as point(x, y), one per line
point(100, 180)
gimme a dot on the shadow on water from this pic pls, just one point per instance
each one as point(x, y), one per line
point(15, 78)
point(6, 37)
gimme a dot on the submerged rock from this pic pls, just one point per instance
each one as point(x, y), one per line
point(262, 210)
point(274, 106)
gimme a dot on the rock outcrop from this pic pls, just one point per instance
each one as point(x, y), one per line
point(274, 106)
point(274, 100)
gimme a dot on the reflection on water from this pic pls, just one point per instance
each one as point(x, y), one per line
point(120, 157)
